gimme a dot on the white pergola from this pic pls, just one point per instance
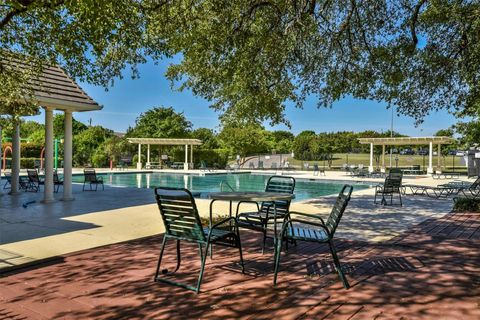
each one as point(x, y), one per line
point(53, 90)
point(165, 142)
point(430, 141)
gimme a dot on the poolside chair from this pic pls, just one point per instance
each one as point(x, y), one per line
point(260, 164)
point(469, 190)
point(182, 223)
point(317, 171)
point(273, 165)
point(90, 177)
point(312, 228)
point(392, 185)
point(57, 182)
point(264, 216)
point(8, 180)
point(251, 165)
point(34, 180)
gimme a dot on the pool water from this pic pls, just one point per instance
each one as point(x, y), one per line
point(304, 188)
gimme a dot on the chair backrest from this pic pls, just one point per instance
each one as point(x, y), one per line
point(260, 164)
point(8, 176)
point(475, 184)
point(338, 209)
point(315, 167)
point(283, 184)
point(274, 165)
point(89, 175)
point(33, 175)
point(179, 213)
point(394, 178)
point(251, 165)
point(56, 179)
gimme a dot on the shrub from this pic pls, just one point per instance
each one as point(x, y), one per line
point(466, 205)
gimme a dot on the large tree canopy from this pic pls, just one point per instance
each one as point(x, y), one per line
point(161, 122)
point(250, 57)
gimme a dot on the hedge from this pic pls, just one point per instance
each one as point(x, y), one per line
point(464, 204)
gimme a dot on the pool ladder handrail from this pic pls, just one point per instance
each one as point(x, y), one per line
point(225, 183)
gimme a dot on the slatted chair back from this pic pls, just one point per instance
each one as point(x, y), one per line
point(90, 175)
point(179, 213)
point(338, 209)
point(475, 184)
point(33, 175)
point(394, 179)
point(56, 179)
point(281, 184)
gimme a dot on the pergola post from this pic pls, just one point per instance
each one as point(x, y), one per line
point(148, 156)
point(139, 161)
point(67, 157)
point(15, 158)
point(48, 189)
point(370, 168)
point(191, 155)
point(439, 168)
point(185, 164)
point(430, 158)
point(383, 158)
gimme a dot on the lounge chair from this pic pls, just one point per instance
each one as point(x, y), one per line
point(469, 190)
point(392, 185)
point(90, 177)
point(34, 180)
point(57, 182)
point(312, 228)
point(182, 223)
point(264, 216)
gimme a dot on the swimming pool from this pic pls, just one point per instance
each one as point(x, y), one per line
point(304, 189)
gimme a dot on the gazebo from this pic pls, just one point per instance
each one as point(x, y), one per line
point(164, 142)
point(430, 141)
point(52, 90)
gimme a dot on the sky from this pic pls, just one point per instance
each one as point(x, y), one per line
point(124, 102)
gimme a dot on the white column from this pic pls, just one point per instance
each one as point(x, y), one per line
point(370, 168)
point(67, 157)
point(139, 161)
point(48, 188)
point(148, 155)
point(191, 156)
point(15, 158)
point(185, 164)
point(430, 158)
point(439, 167)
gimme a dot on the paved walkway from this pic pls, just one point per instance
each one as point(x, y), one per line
point(431, 271)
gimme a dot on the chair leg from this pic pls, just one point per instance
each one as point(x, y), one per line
point(239, 245)
point(160, 258)
point(264, 238)
point(278, 251)
point(203, 258)
point(179, 259)
point(338, 266)
point(400, 196)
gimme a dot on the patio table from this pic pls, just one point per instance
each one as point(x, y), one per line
point(251, 196)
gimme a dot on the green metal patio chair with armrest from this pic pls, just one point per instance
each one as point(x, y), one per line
point(57, 182)
point(90, 177)
point(182, 223)
point(392, 185)
point(260, 219)
point(299, 226)
point(34, 180)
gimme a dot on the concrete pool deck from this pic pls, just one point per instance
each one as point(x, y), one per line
point(40, 231)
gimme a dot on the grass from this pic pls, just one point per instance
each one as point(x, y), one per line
point(403, 161)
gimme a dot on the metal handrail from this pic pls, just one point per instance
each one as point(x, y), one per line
point(223, 183)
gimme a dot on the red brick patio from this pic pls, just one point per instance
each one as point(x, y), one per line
point(431, 271)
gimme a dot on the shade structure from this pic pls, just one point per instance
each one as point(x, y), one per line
point(396, 141)
point(165, 142)
point(52, 90)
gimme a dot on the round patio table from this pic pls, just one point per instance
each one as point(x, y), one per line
point(251, 196)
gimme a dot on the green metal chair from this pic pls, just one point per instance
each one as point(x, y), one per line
point(182, 223)
point(392, 185)
point(311, 228)
point(264, 216)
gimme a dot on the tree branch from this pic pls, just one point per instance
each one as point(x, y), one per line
point(413, 24)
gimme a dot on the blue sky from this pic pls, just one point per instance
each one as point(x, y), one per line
point(124, 102)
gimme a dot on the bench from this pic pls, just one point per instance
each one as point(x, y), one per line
point(153, 165)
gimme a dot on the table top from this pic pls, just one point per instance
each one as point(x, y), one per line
point(251, 196)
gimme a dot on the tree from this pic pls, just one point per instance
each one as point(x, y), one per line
point(208, 137)
point(58, 126)
point(244, 138)
point(469, 133)
point(92, 41)
point(251, 56)
point(88, 143)
point(161, 122)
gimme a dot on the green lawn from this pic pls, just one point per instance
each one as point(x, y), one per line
point(403, 161)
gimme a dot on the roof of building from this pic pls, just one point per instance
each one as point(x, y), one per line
point(54, 88)
point(165, 141)
point(406, 140)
